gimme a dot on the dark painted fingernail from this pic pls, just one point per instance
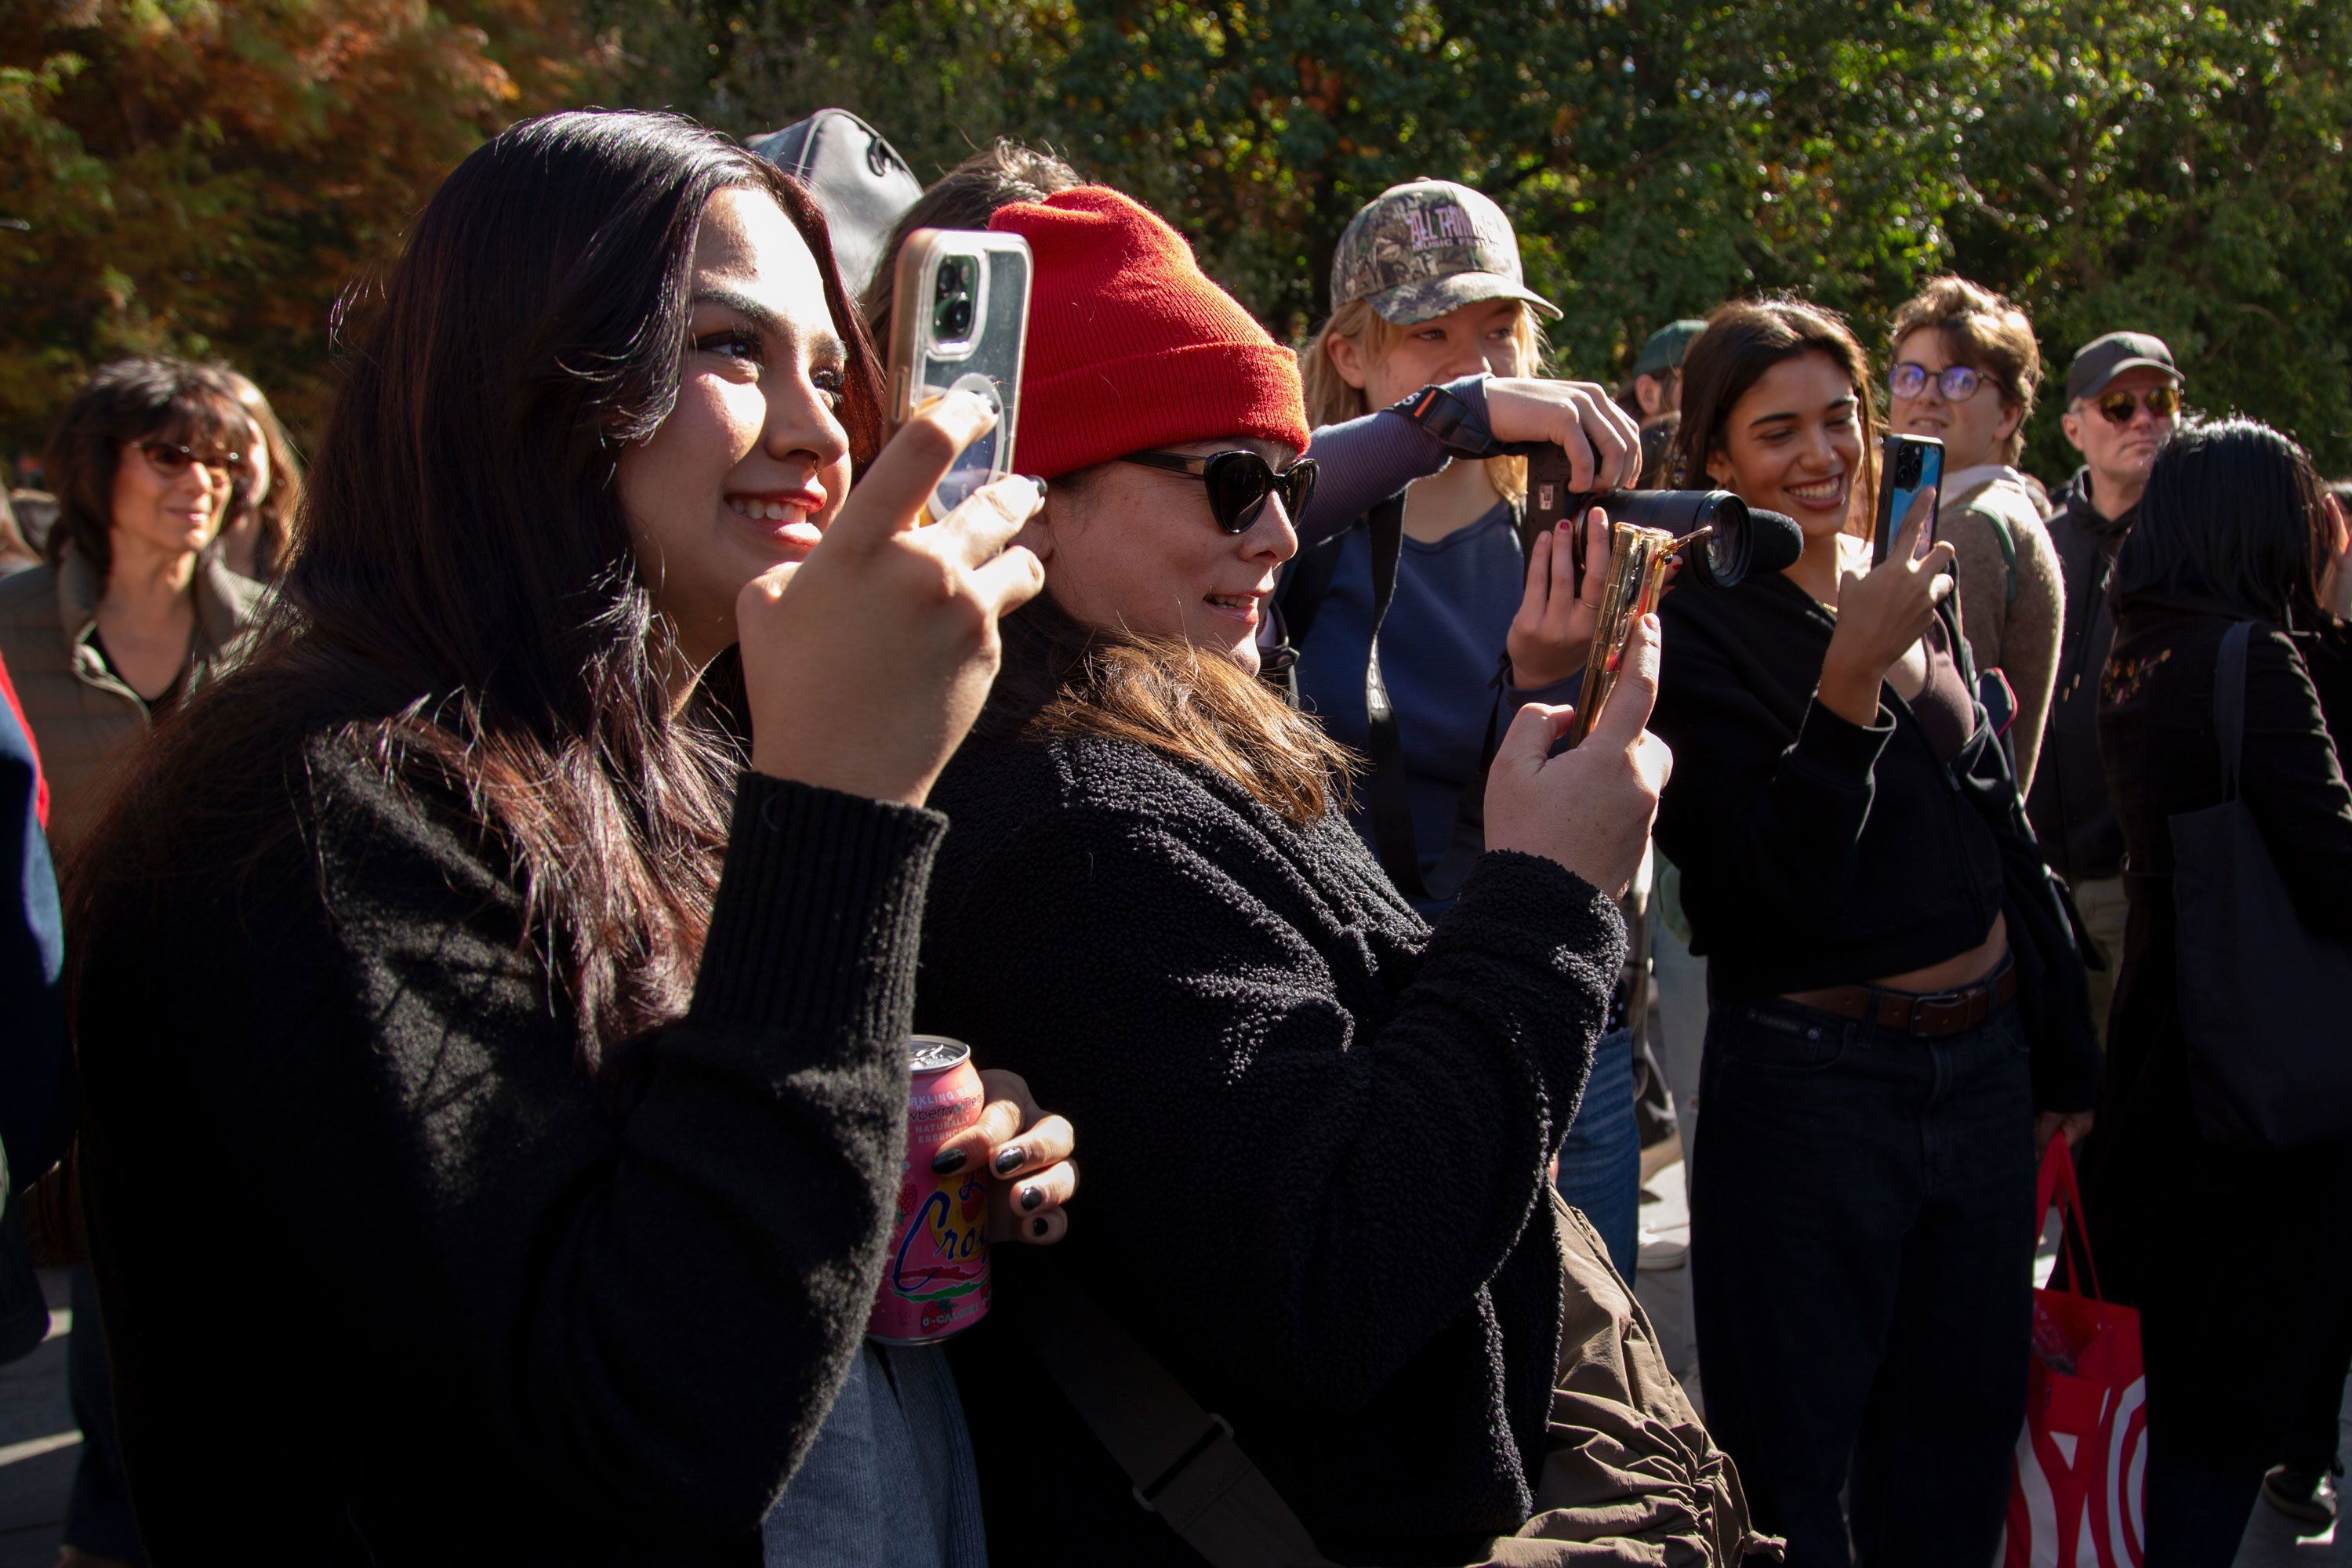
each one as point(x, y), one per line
point(1009, 1160)
point(1039, 482)
point(1038, 1226)
point(1031, 1197)
point(948, 1160)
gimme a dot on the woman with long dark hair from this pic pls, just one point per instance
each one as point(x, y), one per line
point(1861, 1193)
point(519, 953)
point(2235, 527)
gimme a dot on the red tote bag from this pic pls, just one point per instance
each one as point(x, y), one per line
point(2076, 1499)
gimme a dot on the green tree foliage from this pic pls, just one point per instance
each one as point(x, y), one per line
point(2166, 164)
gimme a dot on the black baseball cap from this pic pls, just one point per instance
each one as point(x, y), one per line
point(2103, 359)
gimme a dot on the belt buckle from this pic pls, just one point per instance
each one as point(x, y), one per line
point(1937, 1006)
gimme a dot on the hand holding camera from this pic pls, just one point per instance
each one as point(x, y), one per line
point(1589, 809)
point(1882, 614)
point(1552, 633)
point(1599, 440)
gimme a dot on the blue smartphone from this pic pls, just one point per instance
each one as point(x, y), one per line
point(1909, 464)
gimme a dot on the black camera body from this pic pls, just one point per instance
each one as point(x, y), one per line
point(1729, 549)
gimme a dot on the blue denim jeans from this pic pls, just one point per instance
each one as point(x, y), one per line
point(1861, 1253)
point(1601, 1159)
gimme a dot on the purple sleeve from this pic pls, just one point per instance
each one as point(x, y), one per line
point(1363, 462)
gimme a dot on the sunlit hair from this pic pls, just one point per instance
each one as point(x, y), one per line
point(1983, 331)
point(1331, 400)
point(2231, 521)
point(967, 196)
point(1063, 678)
point(465, 610)
point(278, 509)
point(147, 397)
point(1743, 340)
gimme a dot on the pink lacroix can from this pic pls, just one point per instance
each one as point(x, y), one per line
point(935, 1282)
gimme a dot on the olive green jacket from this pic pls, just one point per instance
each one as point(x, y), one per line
point(84, 719)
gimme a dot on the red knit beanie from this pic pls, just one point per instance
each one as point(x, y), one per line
point(1131, 346)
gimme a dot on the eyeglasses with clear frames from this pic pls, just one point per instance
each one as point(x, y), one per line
point(1957, 383)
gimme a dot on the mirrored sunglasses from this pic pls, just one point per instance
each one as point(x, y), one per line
point(2120, 407)
point(1238, 482)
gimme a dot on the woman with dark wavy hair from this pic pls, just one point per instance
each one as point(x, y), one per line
point(130, 612)
point(1860, 877)
point(520, 951)
point(2235, 527)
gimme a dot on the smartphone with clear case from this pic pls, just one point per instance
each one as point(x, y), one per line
point(960, 323)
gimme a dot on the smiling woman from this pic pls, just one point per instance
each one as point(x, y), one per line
point(1853, 855)
point(561, 1056)
point(128, 613)
point(1150, 901)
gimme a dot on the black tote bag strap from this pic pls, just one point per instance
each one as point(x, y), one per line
point(1183, 1461)
point(2230, 704)
point(1388, 800)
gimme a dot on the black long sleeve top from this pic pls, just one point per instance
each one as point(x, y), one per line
point(386, 1277)
point(1818, 852)
point(1314, 1138)
point(1814, 851)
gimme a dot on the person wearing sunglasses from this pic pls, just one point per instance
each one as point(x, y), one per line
point(1322, 1124)
point(2122, 402)
point(127, 616)
point(130, 613)
point(1964, 371)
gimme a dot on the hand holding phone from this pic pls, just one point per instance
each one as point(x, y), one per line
point(960, 323)
point(1881, 614)
point(1909, 465)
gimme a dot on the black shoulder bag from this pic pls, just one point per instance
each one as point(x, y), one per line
point(2263, 1000)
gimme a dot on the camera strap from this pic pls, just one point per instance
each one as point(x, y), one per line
point(1388, 798)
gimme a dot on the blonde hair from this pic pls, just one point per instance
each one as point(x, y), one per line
point(1331, 400)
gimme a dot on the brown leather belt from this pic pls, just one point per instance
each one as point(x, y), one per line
point(1931, 1016)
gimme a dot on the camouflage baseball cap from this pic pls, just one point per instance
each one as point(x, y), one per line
point(1419, 250)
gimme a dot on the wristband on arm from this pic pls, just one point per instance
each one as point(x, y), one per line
point(1451, 420)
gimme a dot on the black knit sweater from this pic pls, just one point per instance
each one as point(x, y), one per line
point(386, 1277)
point(1313, 1134)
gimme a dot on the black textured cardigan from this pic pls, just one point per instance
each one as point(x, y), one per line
point(1312, 1134)
point(387, 1278)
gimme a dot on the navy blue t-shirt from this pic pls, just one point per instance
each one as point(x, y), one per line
point(1440, 647)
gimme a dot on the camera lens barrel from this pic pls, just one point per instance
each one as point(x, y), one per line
point(1720, 562)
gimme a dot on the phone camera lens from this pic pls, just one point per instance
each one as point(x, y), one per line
point(958, 318)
